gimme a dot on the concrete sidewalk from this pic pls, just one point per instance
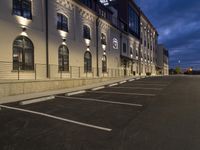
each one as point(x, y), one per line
point(16, 98)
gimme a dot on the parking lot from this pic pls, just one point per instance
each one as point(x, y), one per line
point(103, 118)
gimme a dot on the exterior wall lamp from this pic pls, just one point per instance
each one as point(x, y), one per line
point(23, 33)
point(87, 42)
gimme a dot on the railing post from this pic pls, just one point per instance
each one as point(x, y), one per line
point(70, 71)
point(18, 71)
point(35, 73)
point(79, 72)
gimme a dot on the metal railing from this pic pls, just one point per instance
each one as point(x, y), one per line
point(40, 72)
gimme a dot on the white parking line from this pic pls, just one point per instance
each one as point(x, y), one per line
point(101, 101)
point(120, 93)
point(136, 88)
point(111, 85)
point(98, 88)
point(75, 93)
point(122, 82)
point(37, 100)
point(150, 84)
point(57, 118)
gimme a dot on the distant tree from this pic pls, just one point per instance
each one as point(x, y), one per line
point(177, 70)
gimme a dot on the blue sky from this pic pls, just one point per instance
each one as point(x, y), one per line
point(178, 24)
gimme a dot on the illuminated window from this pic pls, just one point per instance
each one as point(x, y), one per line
point(86, 32)
point(87, 62)
point(62, 22)
point(104, 64)
point(63, 58)
point(22, 8)
point(23, 54)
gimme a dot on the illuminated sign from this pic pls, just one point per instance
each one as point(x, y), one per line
point(115, 43)
point(106, 2)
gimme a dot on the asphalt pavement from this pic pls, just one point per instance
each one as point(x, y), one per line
point(156, 113)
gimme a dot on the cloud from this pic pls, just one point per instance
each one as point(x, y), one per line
point(178, 24)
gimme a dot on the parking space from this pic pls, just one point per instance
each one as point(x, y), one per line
point(100, 114)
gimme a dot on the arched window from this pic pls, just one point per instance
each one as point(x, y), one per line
point(104, 64)
point(63, 58)
point(86, 32)
point(62, 22)
point(87, 62)
point(22, 8)
point(23, 54)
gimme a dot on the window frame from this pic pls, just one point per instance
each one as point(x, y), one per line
point(87, 62)
point(20, 8)
point(61, 25)
point(64, 65)
point(23, 51)
point(86, 32)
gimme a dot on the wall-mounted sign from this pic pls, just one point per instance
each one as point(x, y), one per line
point(106, 2)
point(115, 44)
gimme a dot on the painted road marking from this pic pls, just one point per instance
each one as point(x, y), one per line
point(27, 102)
point(98, 88)
point(122, 82)
point(75, 93)
point(57, 118)
point(142, 88)
point(101, 101)
point(120, 93)
point(111, 85)
point(150, 84)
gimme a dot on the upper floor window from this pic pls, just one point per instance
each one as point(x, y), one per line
point(124, 47)
point(131, 50)
point(22, 8)
point(87, 2)
point(134, 21)
point(62, 22)
point(23, 54)
point(86, 32)
point(103, 39)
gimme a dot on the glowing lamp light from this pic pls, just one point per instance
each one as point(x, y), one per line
point(88, 49)
point(104, 46)
point(87, 41)
point(23, 33)
point(64, 42)
point(23, 21)
point(104, 53)
point(63, 34)
point(131, 55)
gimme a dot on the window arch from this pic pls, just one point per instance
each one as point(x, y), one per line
point(63, 58)
point(104, 64)
point(23, 54)
point(22, 8)
point(86, 32)
point(62, 22)
point(87, 62)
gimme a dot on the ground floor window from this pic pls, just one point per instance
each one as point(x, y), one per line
point(23, 54)
point(87, 62)
point(63, 58)
point(104, 64)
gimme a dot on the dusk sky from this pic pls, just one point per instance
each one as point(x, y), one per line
point(178, 24)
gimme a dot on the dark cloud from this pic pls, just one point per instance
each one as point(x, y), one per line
point(178, 24)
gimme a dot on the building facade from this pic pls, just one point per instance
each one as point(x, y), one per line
point(162, 60)
point(74, 39)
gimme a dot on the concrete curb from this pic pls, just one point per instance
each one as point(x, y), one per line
point(23, 97)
